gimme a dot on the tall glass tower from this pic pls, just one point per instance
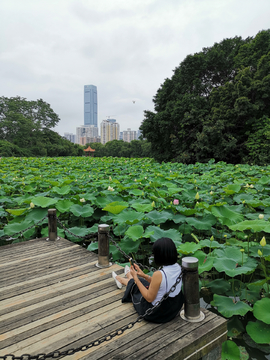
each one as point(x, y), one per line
point(90, 105)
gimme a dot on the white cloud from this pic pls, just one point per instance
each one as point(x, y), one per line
point(50, 49)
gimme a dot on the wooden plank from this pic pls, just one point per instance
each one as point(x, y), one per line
point(54, 297)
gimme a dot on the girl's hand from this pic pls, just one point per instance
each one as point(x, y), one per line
point(139, 272)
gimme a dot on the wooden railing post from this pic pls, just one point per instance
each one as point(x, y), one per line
point(52, 224)
point(191, 310)
point(103, 246)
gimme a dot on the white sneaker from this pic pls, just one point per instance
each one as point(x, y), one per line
point(127, 269)
point(118, 284)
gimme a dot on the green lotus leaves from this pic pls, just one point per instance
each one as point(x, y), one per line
point(219, 286)
point(226, 215)
point(254, 225)
point(144, 208)
point(159, 217)
point(135, 232)
point(129, 217)
point(259, 332)
point(37, 214)
point(159, 233)
point(211, 244)
point(232, 189)
point(43, 201)
point(16, 212)
point(202, 223)
point(64, 190)
point(235, 327)
point(129, 246)
point(83, 211)
point(64, 205)
point(188, 248)
point(205, 261)
point(232, 268)
point(116, 207)
point(230, 351)
point(261, 310)
point(12, 228)
point(136, 192)
point(228, 307)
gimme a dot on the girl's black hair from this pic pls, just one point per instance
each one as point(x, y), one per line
point(164, 251)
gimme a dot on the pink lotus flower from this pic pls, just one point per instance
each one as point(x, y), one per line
point(175, 202)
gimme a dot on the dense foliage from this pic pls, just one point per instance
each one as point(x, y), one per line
point(216, 105)
point(120, 148)
point(25, 130)
point(218, 213)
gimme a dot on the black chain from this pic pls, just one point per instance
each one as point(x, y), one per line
point(22, 231)
point(128, 257)
point(78, 236)
point(56, 354)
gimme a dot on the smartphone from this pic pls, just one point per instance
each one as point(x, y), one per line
point(131, 261)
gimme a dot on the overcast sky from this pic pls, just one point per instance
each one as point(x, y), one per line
point(50, 49)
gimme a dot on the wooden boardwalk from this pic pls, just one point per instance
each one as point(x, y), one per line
point(53, 297)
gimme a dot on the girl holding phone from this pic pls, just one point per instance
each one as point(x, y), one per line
point(145, 291)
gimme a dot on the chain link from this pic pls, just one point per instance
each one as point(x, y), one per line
point(78, 236)
point(56, 354)
point(22, 231)
point(149, 268)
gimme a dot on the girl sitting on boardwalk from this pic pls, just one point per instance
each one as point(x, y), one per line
point(145, 291)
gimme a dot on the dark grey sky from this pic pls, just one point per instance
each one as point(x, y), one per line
point(50, 49)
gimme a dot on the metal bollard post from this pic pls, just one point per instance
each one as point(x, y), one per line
point(52, 225)
point(103, 246)
point(191, 310)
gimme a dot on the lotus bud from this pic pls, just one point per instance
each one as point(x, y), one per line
point(153, 204)
point(212, 238)
point(211, 193)
point(32, 205)
point(175, 202)
point(242, 250)
point(197, 196)
point(263, 241)
point(82, 200)
point(110, 178)
point(261, 216)
point(251, 186)
point(259, 252)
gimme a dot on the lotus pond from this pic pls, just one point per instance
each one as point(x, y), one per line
point(217, 212)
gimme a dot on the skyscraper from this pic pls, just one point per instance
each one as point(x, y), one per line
point(90, 105)
point(109, 130)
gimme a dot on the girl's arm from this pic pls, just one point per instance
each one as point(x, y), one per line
point(151, 293)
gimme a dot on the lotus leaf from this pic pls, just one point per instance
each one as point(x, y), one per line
point(261, 310)
point(116, 207)
point(254, 225)
point(158, 233)
point(44, 202)
point(37, 214)
point(232, 268)
point(219, 286)
point(129, 217)
point(235, 327)
point(188, 248)
point(83, 211)
point(80, 231)
point(259, 332)
point(211, 244)
point(128, 245)
point(226, 215)
point(230, 351)
point(135, 232)
point(142, 207)
point(64, 190)
point(16, 212)
point(159, 217)
point(12, 228)
point(64, 205)
point(202, 223)
point(136, 192)
point(228, 307)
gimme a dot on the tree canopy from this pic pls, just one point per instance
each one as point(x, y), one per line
point(216, 105)
point(25, 130)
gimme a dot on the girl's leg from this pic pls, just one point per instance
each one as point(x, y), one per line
point(122, 280)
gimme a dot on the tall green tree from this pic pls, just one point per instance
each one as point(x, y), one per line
point(214, 102)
